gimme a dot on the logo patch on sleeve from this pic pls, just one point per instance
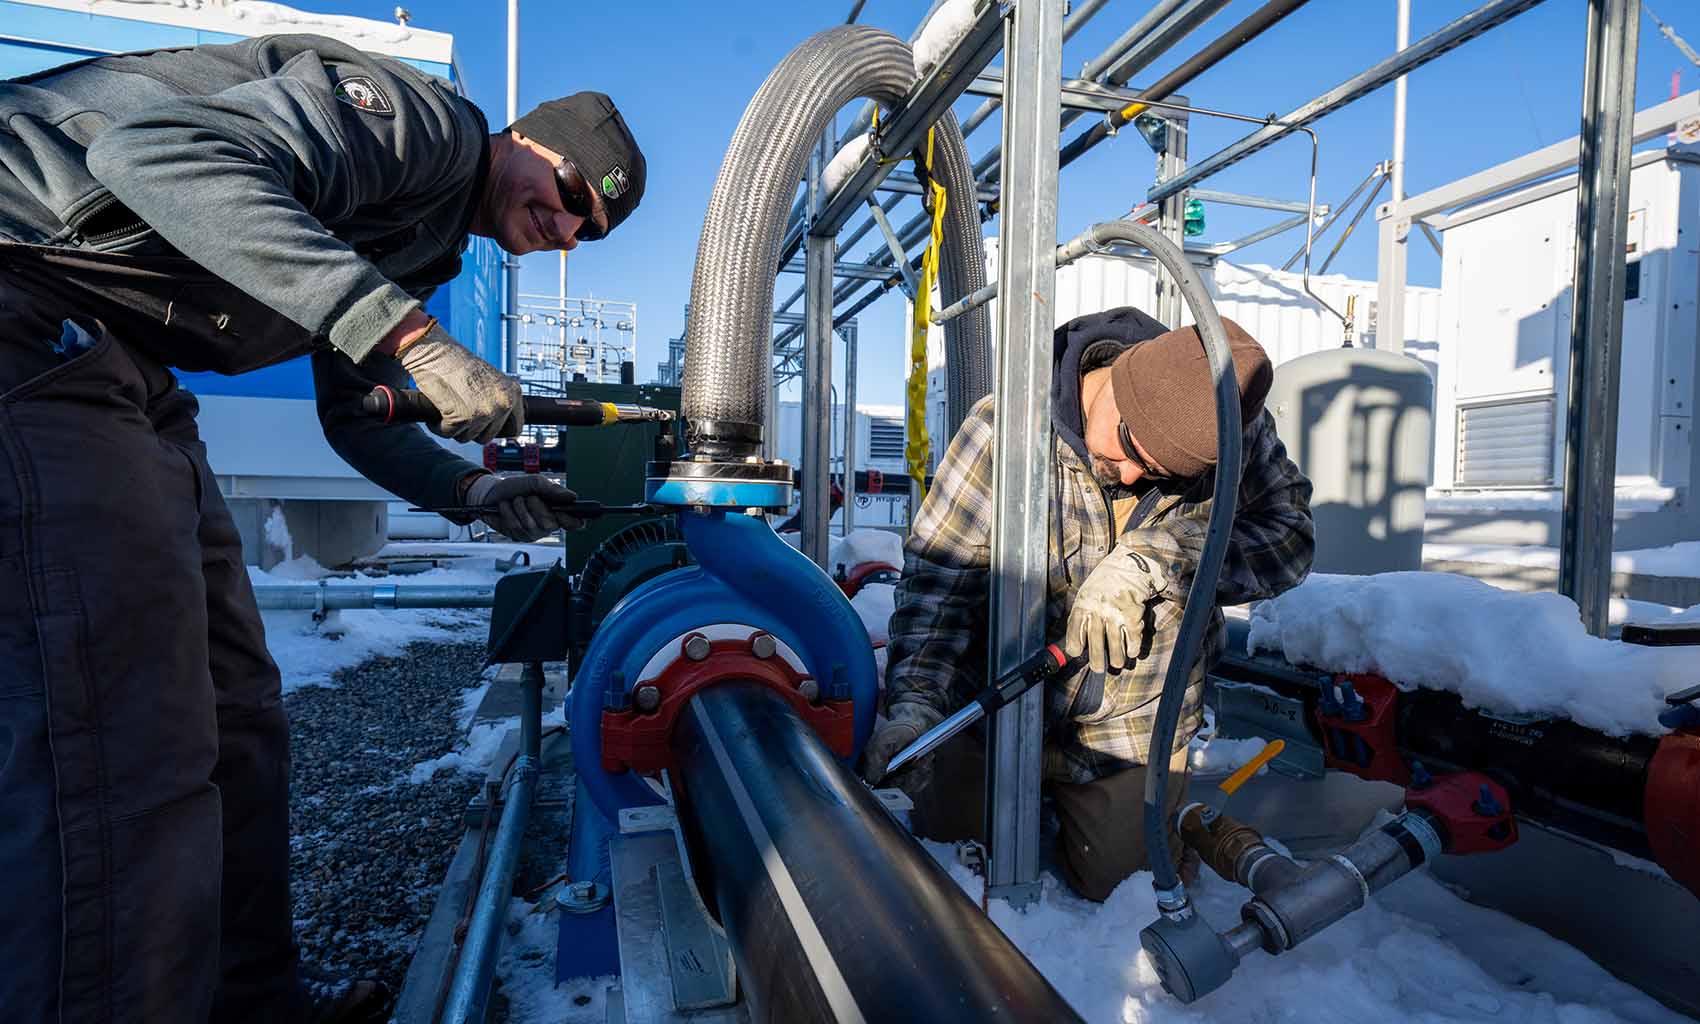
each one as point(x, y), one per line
point(615, 182)
point(362, 93)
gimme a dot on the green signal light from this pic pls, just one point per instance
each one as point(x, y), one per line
point(1193, 219)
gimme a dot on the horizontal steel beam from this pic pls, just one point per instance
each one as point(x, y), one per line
point(851, 271)
point(907, 184)
point(1210, 195)
point(1531, 167)
point(1414, 56)
point(906, 127)
point(1077, 93)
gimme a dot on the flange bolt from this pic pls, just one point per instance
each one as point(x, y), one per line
point(696, 647)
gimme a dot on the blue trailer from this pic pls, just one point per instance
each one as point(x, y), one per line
point(261, 429)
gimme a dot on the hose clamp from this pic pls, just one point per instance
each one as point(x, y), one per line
point(1352, 869)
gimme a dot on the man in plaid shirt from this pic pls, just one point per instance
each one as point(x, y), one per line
point(1135, 444)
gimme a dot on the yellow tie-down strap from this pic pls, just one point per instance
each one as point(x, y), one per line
point(916, 448)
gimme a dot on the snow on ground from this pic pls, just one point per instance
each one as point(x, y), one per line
point(1503, 651)
point(1417, 952)
point(1211, 754)
point(527, 970)
point(308, 653)
point(1681, 560)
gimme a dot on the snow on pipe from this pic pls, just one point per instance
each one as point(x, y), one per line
point(730, 325)
point(324, 596)
point(834, 912)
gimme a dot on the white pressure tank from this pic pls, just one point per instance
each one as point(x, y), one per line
point(1358, 422)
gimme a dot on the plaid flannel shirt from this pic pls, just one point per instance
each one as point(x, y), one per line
point(1096, 723)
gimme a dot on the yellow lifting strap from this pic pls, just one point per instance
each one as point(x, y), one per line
point(916, 449)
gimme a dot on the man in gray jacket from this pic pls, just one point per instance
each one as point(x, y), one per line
point(217, 208)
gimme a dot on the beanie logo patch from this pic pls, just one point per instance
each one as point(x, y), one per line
point(615, 182)
point(362, 93)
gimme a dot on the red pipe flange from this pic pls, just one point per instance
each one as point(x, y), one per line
point(1673, 807)
point(1358, 732)
point(639, 738)
point(1472, 811)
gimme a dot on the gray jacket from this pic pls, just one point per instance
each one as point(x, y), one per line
point(235, 206)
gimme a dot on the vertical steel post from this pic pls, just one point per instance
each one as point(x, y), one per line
point(817, 371)
point(1021, 484)
point(851, 422)
point(1395, 227)
point(1596, 325)
point(1402, 39)
point(510, 264)
point(1172, 219)
point(561, 312)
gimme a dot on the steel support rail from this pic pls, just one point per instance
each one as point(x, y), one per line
point(1419, 53)
point(1021, 465)
point(816, 466)
point(1218, 50)
point(1596, 328)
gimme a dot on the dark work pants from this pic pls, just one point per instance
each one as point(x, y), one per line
point(1101, 824)
point(144, 754)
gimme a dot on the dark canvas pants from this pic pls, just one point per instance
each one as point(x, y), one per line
point(1101, 831)
point(144, 759)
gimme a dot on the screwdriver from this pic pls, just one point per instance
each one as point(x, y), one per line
point(582, 509)
point(405, 405)
point(1048, 664)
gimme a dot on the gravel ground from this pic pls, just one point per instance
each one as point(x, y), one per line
point(368, 848)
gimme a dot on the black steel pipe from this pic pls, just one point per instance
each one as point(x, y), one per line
point(1558, 773)
point(1254, 25)
point(834, 912)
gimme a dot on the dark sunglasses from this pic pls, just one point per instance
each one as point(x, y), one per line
point(578, 198)
point(1132, 453)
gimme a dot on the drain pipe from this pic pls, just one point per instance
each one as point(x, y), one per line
point(1291, 902)
point(469, 989)
point(324, 597)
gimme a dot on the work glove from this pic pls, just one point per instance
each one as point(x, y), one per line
point(523, 505)
point(478, 402)
point(904, 725)
point(1107, 622)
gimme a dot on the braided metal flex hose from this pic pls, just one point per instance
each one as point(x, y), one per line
point(728, 334)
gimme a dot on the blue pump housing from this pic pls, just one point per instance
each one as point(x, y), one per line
point(744, 574)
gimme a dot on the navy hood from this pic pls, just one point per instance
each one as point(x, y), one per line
point(1085, 344)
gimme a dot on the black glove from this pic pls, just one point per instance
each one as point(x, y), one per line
point(523, 505)
point(478, 402)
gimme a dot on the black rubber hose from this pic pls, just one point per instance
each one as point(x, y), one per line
point(1201, 595)
point(834, 912)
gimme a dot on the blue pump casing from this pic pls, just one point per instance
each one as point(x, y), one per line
point(744, 574)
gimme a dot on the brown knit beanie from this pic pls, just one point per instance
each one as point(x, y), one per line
point(1163, 391)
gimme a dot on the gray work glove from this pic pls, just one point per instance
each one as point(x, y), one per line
point(522, 503)
point(478, 402)
point(904, 725)
point(1107, 622)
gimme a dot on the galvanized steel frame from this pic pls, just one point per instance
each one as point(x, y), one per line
point(1021, 467)
point(1034, 94)
point(1596, 326)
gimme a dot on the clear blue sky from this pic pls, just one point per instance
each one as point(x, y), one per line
point(682, 73)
